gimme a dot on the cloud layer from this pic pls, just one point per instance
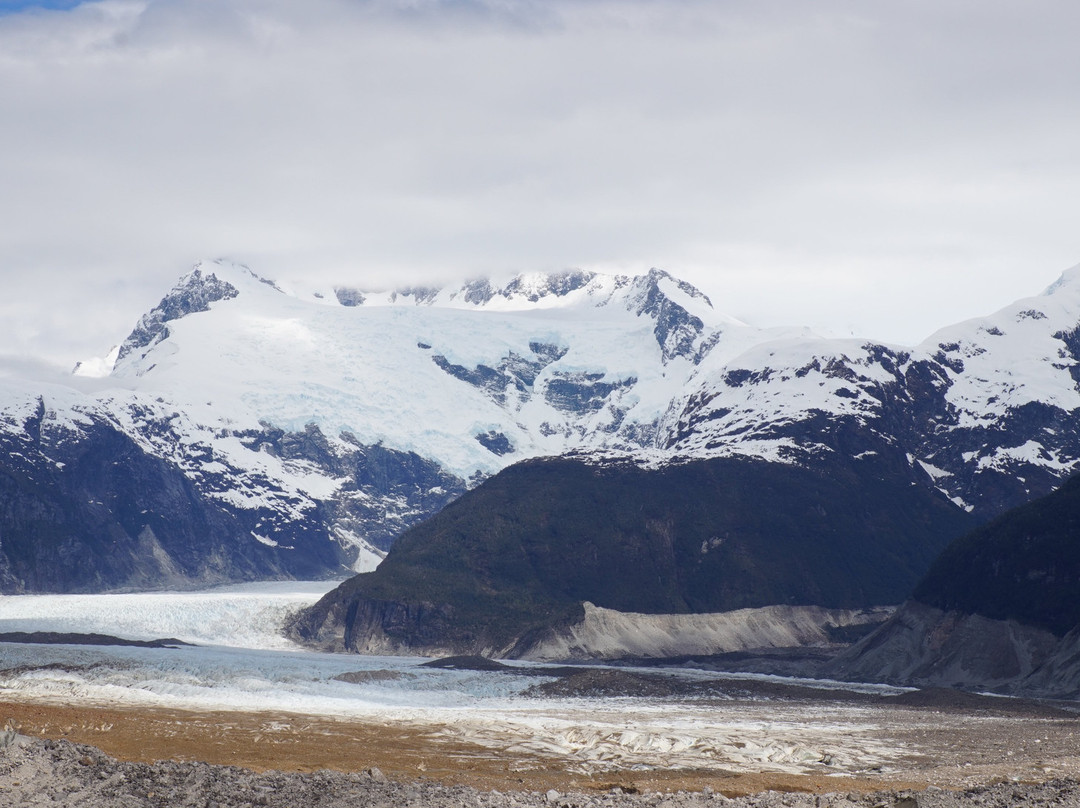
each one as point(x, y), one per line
point(877, 167)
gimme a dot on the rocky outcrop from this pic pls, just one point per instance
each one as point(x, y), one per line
point(998, 610)
point(513, 375)
point(928, 647)
point(923, 646)
point(194, 293)
point(678, 332)
point(388, 627)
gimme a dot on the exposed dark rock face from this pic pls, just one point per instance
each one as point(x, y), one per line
point(349, 297)
point(492, 381)
point(495, 442)
point(522, 552)
point(89, 509)
point(421, 295)
point(97, 512)
point(194, 293)
point(513, 373)
point(478, 292)
point(583, 392)
point(677, 332)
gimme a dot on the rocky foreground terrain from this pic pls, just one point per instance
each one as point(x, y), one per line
point(60, 773)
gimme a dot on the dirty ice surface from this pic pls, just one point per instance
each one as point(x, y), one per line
point(242, 663)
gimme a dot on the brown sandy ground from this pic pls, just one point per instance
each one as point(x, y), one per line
point(953, 741)
point(286, 742)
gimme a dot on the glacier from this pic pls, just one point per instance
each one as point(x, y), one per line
point(238, 616)
point(587, 735)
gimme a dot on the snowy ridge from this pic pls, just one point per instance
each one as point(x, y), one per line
point(739, 403)
point(1017, 356)
point(590, 370)
point(985, 404)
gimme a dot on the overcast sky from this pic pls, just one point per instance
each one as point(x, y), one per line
point(870, 168)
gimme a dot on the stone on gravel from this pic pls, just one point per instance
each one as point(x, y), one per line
point(60, 774)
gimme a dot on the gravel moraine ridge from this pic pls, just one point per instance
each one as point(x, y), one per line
point(59, 773)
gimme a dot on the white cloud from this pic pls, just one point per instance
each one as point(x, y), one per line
point(875, 167)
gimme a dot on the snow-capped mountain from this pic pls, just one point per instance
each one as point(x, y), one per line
point(318, 424)
point(474, 377)
point(299, 430)
point(985, 410)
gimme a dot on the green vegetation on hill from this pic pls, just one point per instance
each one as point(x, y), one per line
point(523, 550)
point(1024, 565)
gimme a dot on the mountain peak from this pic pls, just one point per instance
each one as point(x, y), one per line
point(194, 292)
point(537, 290)
point(657, 276)
point(535, 286)
point(678, 308)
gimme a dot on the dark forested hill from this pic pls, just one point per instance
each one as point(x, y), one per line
point(999, 609)
point(1024, 566)
point(527, 547)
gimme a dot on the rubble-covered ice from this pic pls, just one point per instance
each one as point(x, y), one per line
point(248, 667)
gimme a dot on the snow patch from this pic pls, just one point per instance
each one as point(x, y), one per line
point(933, 470)
point(264, 540)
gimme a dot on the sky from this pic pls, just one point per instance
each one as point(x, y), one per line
point(866, 168)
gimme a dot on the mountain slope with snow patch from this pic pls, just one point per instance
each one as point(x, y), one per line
point(984, 411)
